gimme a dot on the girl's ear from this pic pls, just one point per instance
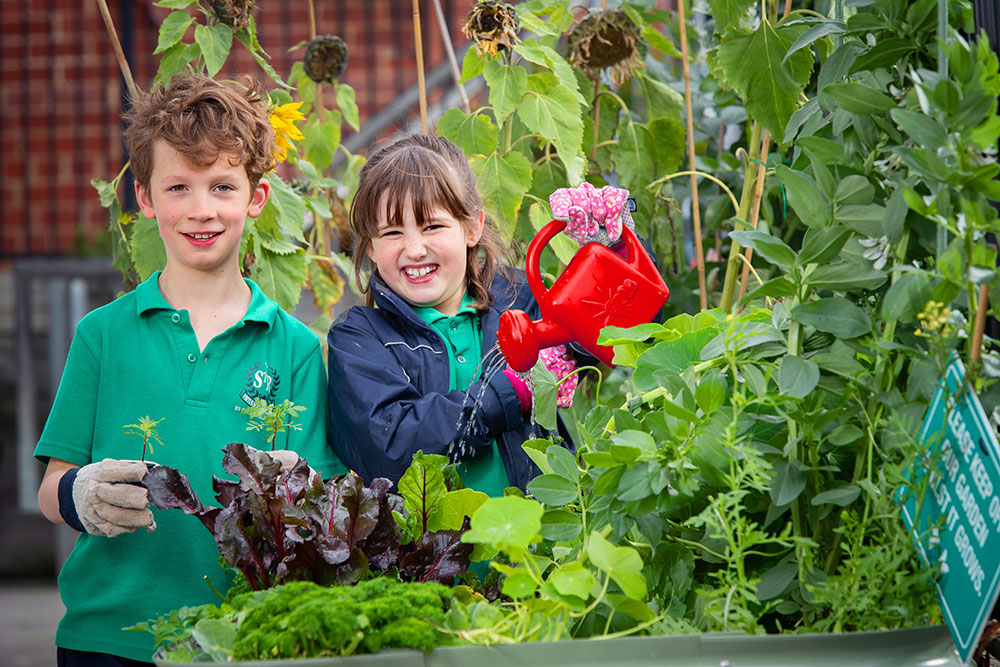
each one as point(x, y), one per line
point(474, 231)
point(259, 198)
point(145, 201)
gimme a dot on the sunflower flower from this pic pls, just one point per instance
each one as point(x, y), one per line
point(605, 39)
point(283, 120)
point(492, 26)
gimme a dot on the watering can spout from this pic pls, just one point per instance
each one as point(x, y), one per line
point(598, 288)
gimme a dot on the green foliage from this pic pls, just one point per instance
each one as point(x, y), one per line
point(272, 418)
point(145, 429)
point(303, 619)
point(285, 249)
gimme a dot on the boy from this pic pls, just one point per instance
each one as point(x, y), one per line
point(191, 346)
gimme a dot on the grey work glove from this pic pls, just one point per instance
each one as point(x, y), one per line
point(107, 501)
point(288, 459)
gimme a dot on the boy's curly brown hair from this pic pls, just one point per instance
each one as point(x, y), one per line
point(202, 118)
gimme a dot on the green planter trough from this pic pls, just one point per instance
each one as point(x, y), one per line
point(917, 647)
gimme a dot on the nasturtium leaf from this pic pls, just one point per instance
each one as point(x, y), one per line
point(834, 315)
point(613, 335)
point(215, 42)
point(450, 512)
point(770, 89)
point(518, 583)
point(552, 489)
point(859, 98)
point(805, 197)
point(769, 247)
point(172, 30)
point(473, 133)
point(841, 495)
point(280, 276)
point(622, 564)
point(797, 377)
point(503, 182)
point(507, 86)
point(507, 523)
point(741, 336)
point(845, 276)
point(216, 637)
point(775, 581)
point(671, 356)
point(573, 579)
point(637, 609)
point(787, 483)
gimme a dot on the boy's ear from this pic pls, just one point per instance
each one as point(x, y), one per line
point(475, 230)
point(145, 201)
point(259, 198)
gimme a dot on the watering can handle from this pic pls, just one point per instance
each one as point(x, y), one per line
point(547, 233)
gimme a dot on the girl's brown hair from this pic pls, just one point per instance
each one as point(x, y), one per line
point(202, 118)
point(426, 173)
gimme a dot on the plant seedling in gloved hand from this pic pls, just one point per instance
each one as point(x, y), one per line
point(145, 429)
point(273, 419)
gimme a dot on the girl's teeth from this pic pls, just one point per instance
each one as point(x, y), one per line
point(418, 273)
point(201, 237)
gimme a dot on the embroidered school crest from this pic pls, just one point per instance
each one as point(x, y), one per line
point(261, 382)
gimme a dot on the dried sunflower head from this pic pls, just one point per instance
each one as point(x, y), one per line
point(492, 26)
point(325, 59)
point(606, 39)
point(234, 13)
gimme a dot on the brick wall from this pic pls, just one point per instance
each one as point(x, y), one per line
point(61, 93)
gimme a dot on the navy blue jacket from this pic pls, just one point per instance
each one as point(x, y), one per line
point(389, 392)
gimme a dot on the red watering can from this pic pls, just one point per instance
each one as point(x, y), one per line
point(599, 288)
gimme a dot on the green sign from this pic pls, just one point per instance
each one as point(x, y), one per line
point(953, 506)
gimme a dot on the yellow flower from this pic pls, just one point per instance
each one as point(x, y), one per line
point(283, 120)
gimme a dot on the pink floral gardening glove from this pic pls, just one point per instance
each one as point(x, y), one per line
point(592, 214)
point(558, 360)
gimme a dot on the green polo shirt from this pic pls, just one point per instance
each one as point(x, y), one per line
point(138, 356)
point(463, 339)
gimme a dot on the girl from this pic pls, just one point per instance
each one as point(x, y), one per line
point(418, 367)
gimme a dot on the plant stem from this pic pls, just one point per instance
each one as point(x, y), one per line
point(664, 179)
point(749, 182)
point(695, 212)
point(758, 192)
point(133, 91)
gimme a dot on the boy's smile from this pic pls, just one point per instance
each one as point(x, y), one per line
point(200, 211)
point(425, 265)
